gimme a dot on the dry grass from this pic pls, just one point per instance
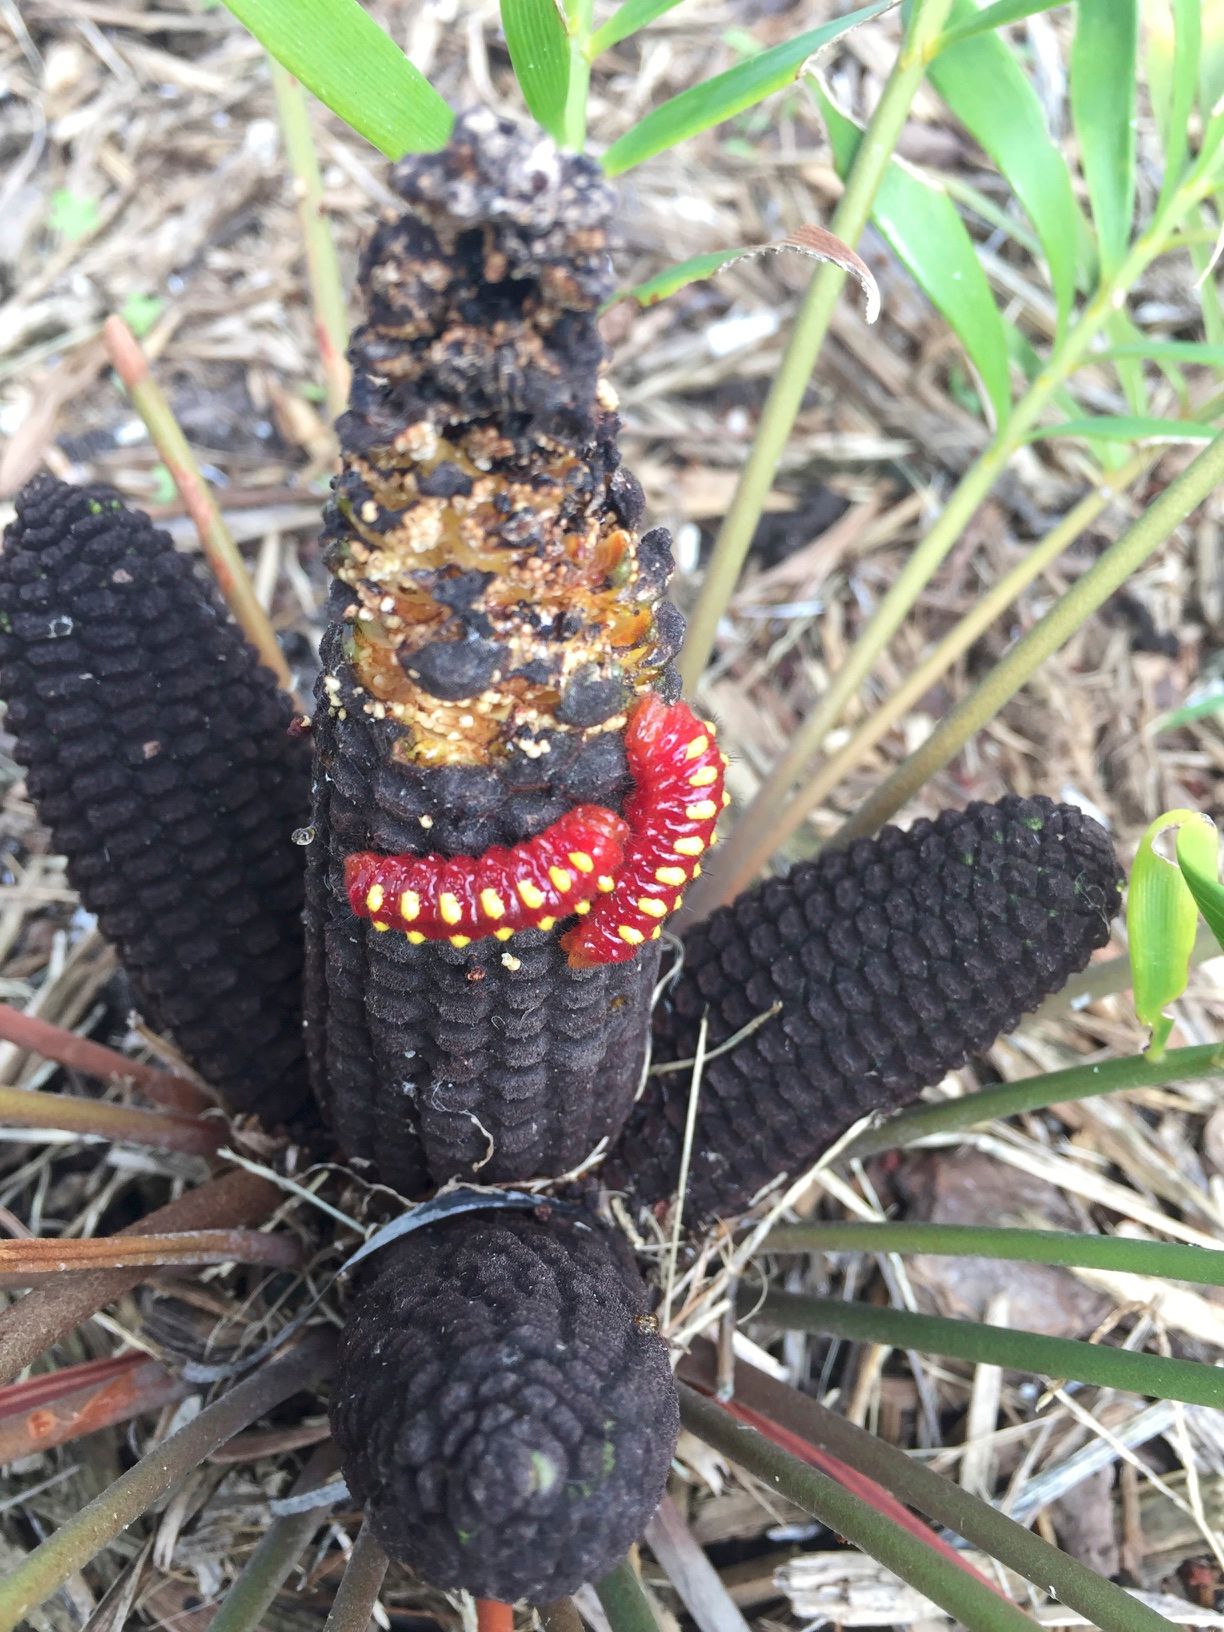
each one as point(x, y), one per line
point(141, 164)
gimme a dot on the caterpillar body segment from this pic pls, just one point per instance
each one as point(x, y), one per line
point(465, 898)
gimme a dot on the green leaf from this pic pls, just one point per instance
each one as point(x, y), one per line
point(988, 1345)
point(72, 215)
point(924, 231)
point(983, 85)
point(339, 52)
point(996, 16)
point(727, 94)
point(1161, 918)
point(140, 312)
point(1172, 351)
point(1103, 105)
point(1126, 428)
point(1174, 42)
point(816, 242)
point(1211, 55)
point(1198, 856)
point(1200, 705)
point(626, 20)
point(539, 46)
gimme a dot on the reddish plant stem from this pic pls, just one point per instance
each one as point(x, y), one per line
point(24, 1261)
point(51, 1385)
point(125, 1124)
point(95, 1060)
point(43, 1316)
point(142, 1386)
point(494, 1616)
point(155, 1475)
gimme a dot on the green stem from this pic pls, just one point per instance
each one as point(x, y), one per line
point(578, 16)
point(961, 1595)
point(267, 1569)
point(1036, 1094)
point(624, 1603)
point(1104, 1605)
point(986, 1345)
point(807, 337)
point(322, 267)
point(164, 1469)
point(1110, 572)
point(353, 1606)
point(1165, 1259)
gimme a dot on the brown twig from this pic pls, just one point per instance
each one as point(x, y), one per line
point(82, 1402)
point(228, 567)
point(126, 1124)
point(95, 1060)
point(24, 1261)
point(43, 1316)
point(358, 1591)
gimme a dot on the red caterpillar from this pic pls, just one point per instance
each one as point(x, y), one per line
point(677, 798)
point(464, 898)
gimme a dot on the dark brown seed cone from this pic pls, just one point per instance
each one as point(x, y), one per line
point(495, 613)
point(893, 960)
point(503, 1404)
point(158, 752)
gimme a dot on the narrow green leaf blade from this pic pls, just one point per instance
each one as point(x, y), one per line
point(996, 16)
point(1164, 351)
point(1103, 78)
point(1174, 36)
point(1198, 856)
point(984, 86)
point(1211, 55)
point(1200, 705)
point(539, 47)
point(727, 94)
point(1126, 428)
point(1161, 918)
point(816, 242)
point(924, 231)
point(627, 20)
point(339, 52)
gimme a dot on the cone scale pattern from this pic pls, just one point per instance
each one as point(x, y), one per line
point(159, 753)
point(495, 614)
point(504, 1405)
point(893, 961)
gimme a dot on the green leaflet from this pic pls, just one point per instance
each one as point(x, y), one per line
point(1161, 917)
point(539, 46)
point(1103, 104)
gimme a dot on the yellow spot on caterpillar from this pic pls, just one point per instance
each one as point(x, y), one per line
point(410, 905)
point(491, 904)
point(449, 909)
point(677, 903)
point(511, 963)
point(656, 932)
point(606, 883)
point(374, 899)
point(703, 777)
point(461, 940)
point(726, 799)
point(582, 908)
point(563, 880)
point(703, 811)
point(674, 876)
point(651, 907)
point(691, 846)
point(697, 747)
point(582, 861)
point(633, 937)
point(415, 936)
point(725, 760)
point(546, 923)
point(382, 927)
point(710, 727)
point(502, 934)
point(696, 869)
point(530, 894)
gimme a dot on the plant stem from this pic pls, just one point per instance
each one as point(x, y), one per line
point(944, 1583)
point(43, 1316)
point(770, 822)
point(79, 1406)
point(807, 337)
point(1168, 1260)
point(1105, 1605)
point(353, 1606)
point(987, 1345)
point(578, 18)
point(322, 267)
point(624, 1603)
point(267, 1569)
point(1141, 540)
point(228, 567)
point(155, 1475)
point(494, 1616)
point(26, 1260)
point(94, 1060)
point(560, 1616)
point(1036, 1094)
point(126, 1124)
